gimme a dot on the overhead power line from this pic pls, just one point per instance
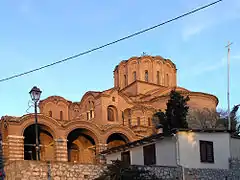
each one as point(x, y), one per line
point(110, 43)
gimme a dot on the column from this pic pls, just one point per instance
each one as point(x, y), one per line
point(99, 148)
point(61, 153)
point(15, 148)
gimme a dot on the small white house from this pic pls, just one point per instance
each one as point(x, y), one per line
point(187, 148)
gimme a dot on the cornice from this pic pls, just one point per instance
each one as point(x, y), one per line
point(55, 100)
point(26, 117)
point(151, 58)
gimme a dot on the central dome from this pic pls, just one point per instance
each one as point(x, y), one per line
point(150, 69)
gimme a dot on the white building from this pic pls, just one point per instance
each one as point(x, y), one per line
point(190, 149)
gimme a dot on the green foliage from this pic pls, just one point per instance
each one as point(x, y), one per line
point(177, 110)
point(119, 170)
point(235, 126)
point(176, 113)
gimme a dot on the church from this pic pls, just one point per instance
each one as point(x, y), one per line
point(79, 131)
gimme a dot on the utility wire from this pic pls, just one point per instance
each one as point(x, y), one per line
point(110, 43)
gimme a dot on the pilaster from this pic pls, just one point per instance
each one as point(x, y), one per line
point(101, 158)
point(15, 147)
point(61, 153)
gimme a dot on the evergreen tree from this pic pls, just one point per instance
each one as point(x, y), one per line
point(175, 115)
point(119, 170)
point(177, 110)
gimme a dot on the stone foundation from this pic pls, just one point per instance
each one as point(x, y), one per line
point(163, 172)
point(39, 170)
point(34, 170)
point(209, 174)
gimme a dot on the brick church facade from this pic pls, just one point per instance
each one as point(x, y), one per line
point(78, 131)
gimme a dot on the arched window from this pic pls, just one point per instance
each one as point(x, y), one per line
point(146, 75)
point(92, 110)
point(50, 113)
point(149, 121)
point(138, 121)
point(88, 115)
point(110, 113)
point(158, 77)
point(167, 80)
point(125, 80)
point(134, 76)
point(129, 123)
point(61, 115)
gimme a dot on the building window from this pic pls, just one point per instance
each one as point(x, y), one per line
point(158, 77)
point(206, 151)
point(167, 80)
point(134, 76)
point(113, 99)
point(61, 115)
point(125, 80)
point(149, 121)
point(50, 113)
point(125, 157)
point(129, 123)
point(110, 113)
point(88, 115)
point(146, 76)
point(149, 154)
point(91, 114)
point(138, 121)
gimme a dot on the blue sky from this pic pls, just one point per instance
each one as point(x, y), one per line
point(34, 33)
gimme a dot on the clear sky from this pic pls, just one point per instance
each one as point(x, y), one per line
point(34, 33)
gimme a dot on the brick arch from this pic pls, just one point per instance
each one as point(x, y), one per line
point(92, 130)
point(50, 124)
point(120, 130)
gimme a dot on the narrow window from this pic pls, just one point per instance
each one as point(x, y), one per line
point(134, 76)
point(158, 77)
point(91, 114)
point(50, 113)
point(206, 151)
point(87, 115)
point(110, 114)
point(138, 121)
point(149, 121)
point(146, 76)
point(167, 80)
point(125, 80)
point(125, 157)
point(61, 115)
point(129, 123)
point(113, 99)
point(122, 118)
point(149, 154)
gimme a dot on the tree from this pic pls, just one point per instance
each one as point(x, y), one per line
point(204, 119)
point(160, 118)
point(210, 118)
point(119, 170)
point(235, 126)
point(177, 110)
point(175, 115)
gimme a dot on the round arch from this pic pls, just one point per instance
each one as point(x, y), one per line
point(46, 142)
point(116, 139)
point(81, 146)
point(50, 124)
point(127, 132)
point(90, 129)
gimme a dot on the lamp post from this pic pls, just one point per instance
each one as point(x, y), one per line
point(35, 95)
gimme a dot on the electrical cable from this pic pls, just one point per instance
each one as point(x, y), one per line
point(110, 43)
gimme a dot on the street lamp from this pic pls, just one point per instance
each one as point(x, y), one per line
point(35, 95)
